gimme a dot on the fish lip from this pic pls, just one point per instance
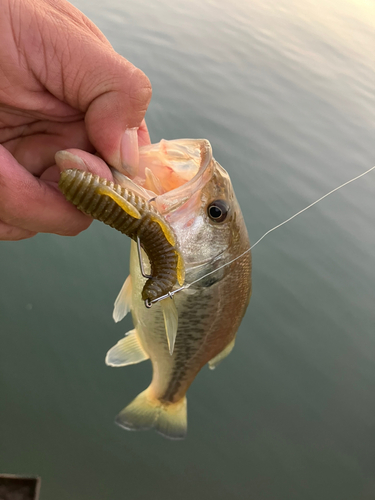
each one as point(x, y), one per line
point(193, 266)
point(173, 199)
point(196, 271)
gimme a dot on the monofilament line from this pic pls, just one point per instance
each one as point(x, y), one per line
point(311, 205)
point(260, 239)
point(276, 227)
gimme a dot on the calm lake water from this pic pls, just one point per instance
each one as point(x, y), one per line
point(285, 92)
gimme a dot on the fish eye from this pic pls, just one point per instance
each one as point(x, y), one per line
point(218, 210)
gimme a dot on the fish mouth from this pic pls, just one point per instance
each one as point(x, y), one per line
point(188, 166)
point(196, 265)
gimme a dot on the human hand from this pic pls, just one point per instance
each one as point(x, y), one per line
point(61, 86)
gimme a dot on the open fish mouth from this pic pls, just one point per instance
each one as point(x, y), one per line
point(181, 178)
point(174, 171)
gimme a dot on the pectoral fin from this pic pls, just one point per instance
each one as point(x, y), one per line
point(123, 302)
point(128, 351)
point(121, 202)
point(223, 354)
point(170, 321)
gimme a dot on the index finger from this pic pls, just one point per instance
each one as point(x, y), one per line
point(35, 205)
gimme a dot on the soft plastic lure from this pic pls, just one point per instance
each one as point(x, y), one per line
point(133, 215)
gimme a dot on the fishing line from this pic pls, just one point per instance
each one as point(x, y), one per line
point(261, 238)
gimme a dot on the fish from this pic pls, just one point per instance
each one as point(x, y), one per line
point(195, 196)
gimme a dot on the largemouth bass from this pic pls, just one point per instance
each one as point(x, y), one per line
point(195, 196)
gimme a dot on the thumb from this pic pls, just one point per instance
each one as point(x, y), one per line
point(116, 111)
point(85, 72)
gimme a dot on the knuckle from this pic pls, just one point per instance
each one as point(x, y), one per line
point(140, 89)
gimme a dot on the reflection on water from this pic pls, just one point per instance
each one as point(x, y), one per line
point(285, 93)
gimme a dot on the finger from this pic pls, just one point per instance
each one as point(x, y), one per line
point(143, 135)
point(90, 76)
point(12, 233)
point(74, 158)
point(36, 152)
point(52, 174)
point(113, 112)
point(35, 205)
point(36, 147)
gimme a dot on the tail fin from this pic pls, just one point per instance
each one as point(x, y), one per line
point(147, 412)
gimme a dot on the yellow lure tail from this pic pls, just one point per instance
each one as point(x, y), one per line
point(125, 205)
point(168, 233)
point(180, 269)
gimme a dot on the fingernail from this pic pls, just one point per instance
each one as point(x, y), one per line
point(129, 151)
point(66, 160)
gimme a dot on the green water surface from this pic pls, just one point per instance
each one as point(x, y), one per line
point(285, 92)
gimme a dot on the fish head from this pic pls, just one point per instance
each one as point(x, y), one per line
point(195, 195)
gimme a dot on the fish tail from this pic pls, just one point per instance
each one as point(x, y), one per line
point(147, 412)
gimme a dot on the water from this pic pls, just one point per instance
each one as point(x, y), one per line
point(285, 93)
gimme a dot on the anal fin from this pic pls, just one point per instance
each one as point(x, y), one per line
point(214, 362)
point(123, 303)
point(128, 351)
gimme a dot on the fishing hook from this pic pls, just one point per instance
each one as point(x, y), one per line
point(149, 303)
point(148, 276)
